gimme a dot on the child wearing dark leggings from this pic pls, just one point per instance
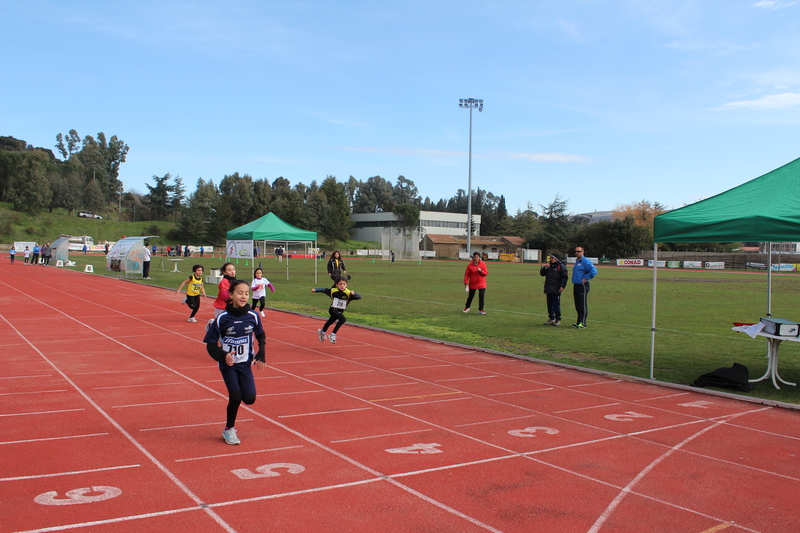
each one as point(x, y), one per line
point(340, 297)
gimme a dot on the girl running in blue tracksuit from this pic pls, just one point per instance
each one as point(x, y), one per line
point(229, 341)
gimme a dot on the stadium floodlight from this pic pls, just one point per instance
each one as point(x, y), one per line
point(470, 103)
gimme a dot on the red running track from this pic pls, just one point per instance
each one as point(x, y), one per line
point(111, 415)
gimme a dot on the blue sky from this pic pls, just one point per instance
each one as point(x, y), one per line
point(601, 102)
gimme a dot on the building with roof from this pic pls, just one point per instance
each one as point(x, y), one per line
point(370, 226)
point(453, 246)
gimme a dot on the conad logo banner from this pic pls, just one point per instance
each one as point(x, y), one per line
point(630, 262)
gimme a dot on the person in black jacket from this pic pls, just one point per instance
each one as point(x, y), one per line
point(336, 268)
point(555, 273)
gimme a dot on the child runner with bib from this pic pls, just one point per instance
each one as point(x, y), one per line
point(230, 341)
point(340, 297)
point(258, 286)
point(193, 291)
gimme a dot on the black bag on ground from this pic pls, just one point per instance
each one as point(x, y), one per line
point(736, 378)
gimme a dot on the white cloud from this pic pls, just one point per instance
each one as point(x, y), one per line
point(772, 101)
point(541, 157)
point(545, 157)
point(772, 4)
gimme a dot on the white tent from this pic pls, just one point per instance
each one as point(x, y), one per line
point(127, 255)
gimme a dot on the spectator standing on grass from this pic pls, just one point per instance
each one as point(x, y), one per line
point(340, 297)
point(27, 254)
point(194, 290)
point(336, 267)
point(46, 254)
point(202, 249)
point(106, 247)
point(555, 281)
point(582, 273)
point(475, 280)
point(36, 250)
point(229, 341)
point(85, 248)
point(146, 262)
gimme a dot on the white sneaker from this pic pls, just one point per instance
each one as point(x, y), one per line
point(466, 309)
point(192, 319)
point(262, 314)
point(230, 436)
point(332, 338)
point(321, 335)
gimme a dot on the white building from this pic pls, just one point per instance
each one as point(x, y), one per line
point(370, 226)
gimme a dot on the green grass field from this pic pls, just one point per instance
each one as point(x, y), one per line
point(696, 310)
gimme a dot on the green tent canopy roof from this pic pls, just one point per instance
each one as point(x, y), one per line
point(765, 209)
point(270, 228)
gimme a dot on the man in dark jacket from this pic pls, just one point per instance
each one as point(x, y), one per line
point(555, 280)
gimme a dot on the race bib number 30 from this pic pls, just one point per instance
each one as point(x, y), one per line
point(239, 347)
point(339, 303)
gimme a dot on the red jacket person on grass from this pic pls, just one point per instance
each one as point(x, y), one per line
point(475, 279)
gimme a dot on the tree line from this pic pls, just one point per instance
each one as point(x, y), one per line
point(87, 177)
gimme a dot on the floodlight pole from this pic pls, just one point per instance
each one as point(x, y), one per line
point(470, 103)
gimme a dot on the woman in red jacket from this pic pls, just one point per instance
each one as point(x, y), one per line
point(475, 279)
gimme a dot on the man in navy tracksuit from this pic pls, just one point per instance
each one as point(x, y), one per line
point(555, 282)
point(582, 272)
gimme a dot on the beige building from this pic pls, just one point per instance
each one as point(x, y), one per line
point(453, 246)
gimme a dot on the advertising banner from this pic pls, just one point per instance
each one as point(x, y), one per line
point(630, 262)
point(673, 264)
point(692, 264)
point(661, 264)
point(714, 265)
point(239, 249)
point(784, 267)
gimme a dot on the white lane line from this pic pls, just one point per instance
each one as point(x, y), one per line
point(32, 392)
point(289, 393)
point(340, 373)
point(418, 367)
point(586, 408)
point(326, 412)
point(382, 435)
point(494, 421)
point(465, 379)
point(164, 403)
point(237, 453)
point(115, 371)
point(74, 472)
point(430, 402)
point(517, 392)
point(663, 397)
point(28, 377)
point(593, 384)
point(134, 386)
point(43, 412)
point(195, 425)
point(63, 437)
point(649, 468)
point(382, 386)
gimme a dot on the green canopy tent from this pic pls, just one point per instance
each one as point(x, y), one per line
point(765, 209)
point(271, 229)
